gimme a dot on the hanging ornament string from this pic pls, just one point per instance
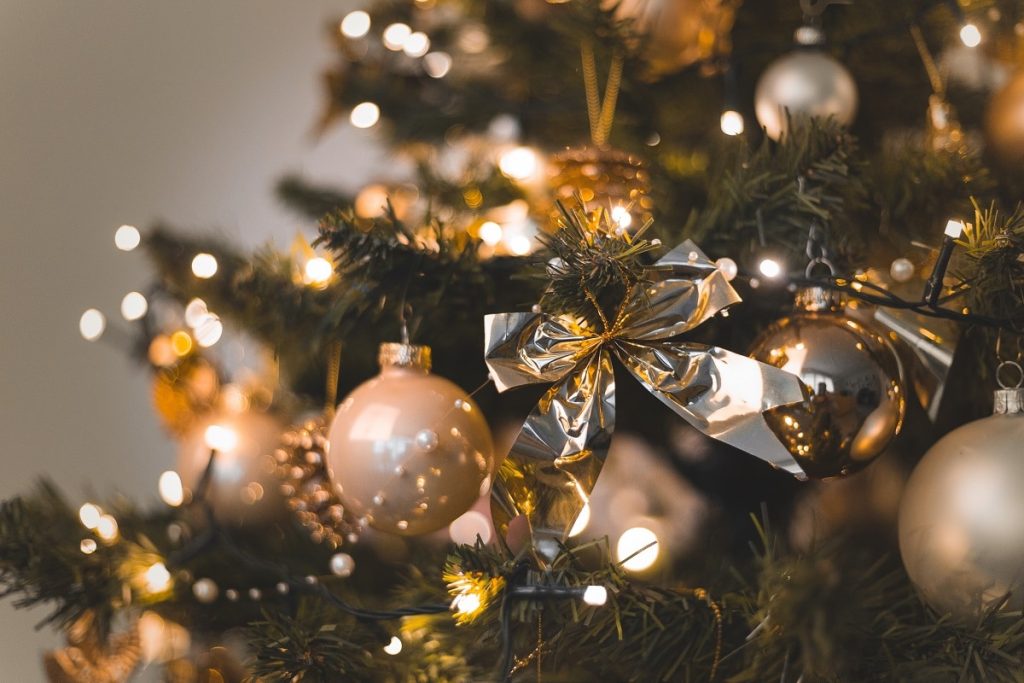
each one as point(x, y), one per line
point(333, 377)
point(601, 113)
point(934, 77)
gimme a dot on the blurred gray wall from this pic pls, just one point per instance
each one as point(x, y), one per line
point(128, 112)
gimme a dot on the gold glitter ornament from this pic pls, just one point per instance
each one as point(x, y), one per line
point(88, 658)
point(615, 180)
point(853, 377)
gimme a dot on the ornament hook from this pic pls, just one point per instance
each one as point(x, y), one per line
point(1010, 364)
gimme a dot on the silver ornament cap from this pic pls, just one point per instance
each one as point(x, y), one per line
point(393, 354)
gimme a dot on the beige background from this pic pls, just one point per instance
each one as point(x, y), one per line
point(131, 111)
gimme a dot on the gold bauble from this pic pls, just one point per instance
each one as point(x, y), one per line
point(409, 451)
point(1005, 120)
point(961, 536)
point(853, 378)
point(614, 180)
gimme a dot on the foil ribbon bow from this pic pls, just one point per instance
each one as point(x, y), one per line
point(556, 458)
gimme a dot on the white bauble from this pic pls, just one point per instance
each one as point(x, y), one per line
point(806, 82)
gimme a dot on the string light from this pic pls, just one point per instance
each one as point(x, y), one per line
point(106, 528)
point(955, 228)
point(195, 312)
point(393, 647)
point(91, 324)
point(970, 35)
point(468, 603)
point(595, 595)
point(637, 548)
point(770, 268)
point(365, 115)
point(209, 331)
point(490, 233)
point(732, 122)
point(519, 163)
point(355, 24)
point(220, 438)
point(90, 515)
point(133, 306)
point(204, 266)
point(519, 245)
point(157, 579)
point(437, 64)
point(181, 343)
point(621, 217)
point(582, 520)
point(171, 490)
point(127, 237)
point(416, 45)
point(87, 546)
point(318, 271)
point(395, 36)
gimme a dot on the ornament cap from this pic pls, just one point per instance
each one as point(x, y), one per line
point(819, 299)
point(809, 36)
point(1009, 401)
point(394, 354)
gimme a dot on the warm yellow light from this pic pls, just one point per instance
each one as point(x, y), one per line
point(395, 36)
point(365, 115)
point(106, 528)
point(519, 245)
point(582, 520)
point(437, 64)
point(91, 324)
point(204, 265)
point(181, 343)
point(90, 515)
point(171, 490)
point(318, 271)
point(157, 579)
point(220, 438)
point(467, 603)
point(209, 331)
point(393, 647)
point(621, 217)
point(770, 268)
point(595, 595)
point(87, 546)
point(732, 122)
point(970, 35)
point(355, 24)
point(519, 163)
point(127, 237)
point(637, 548)
point(133, 306)
point(490, 233)
point(417, 44)
point(954, 228)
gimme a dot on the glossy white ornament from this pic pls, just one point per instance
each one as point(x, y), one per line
point(961, 523)
point(806, 82)
point(409, 451)
point(205, 590)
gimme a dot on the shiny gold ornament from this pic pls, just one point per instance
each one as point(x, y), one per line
point(961, 535)
point(90, 659)
point(617, 181)
point(302, 471)
point(1004, 121)
point(409, 451)
point(550, 472)
point(853, 378)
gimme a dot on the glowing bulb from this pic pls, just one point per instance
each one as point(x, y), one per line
point(770, 268)
point(181, 343)
point(970, 35)
point(395, 36)
point(90, 515)
point(519, 163)
point(355, 24)
point(954, 228)
point(393, 647)
point(365, 115)
point(133, 306)
point(204, 266)
point(171, 490)
point(106, 528)
point(637, 548)
point(157, 579)
point(519, 245)
point(209, 331)
point(196, 312)
point(467, 603)
point(621, 217)
point(595, 595)
point(87, 546)
point(91, 324)
point(727, 267)
point(732, 122)
point(318, 271)
point(416, 45)
point(582, 520)
point(127, 237)
point(220, 438)
point(437, 64)
point(490, 233)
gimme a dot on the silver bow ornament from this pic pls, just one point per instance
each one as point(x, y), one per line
point(556, 458)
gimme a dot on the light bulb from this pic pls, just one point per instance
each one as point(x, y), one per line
point(395, 36)
point(970, 35)
point(437, 64)
point(467, 603)
point(106, 528)
point(519, 245)
point(490, 233)
point(127, 237)
point(393, 647)
point(621, 217)
point(954, 228)
point(209, 331)
point(91, 324)
point(770, 268)
point(204, 266)
point(133, 306)
point(157, 579)
point(595, 595)
point(220, 438)
point(416, 45)
point(318, 271)
point(196, 312)
point(637, 548)
point(87, 546)
point(519, 163)
point(90, 515)
point(582, 520)
point(365, 115)
point(171, 490)
point(355, 24)
point(732, 122)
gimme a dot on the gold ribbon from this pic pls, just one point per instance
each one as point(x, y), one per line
point(556, 459)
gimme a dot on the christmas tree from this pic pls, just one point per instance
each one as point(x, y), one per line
point(666, 353)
